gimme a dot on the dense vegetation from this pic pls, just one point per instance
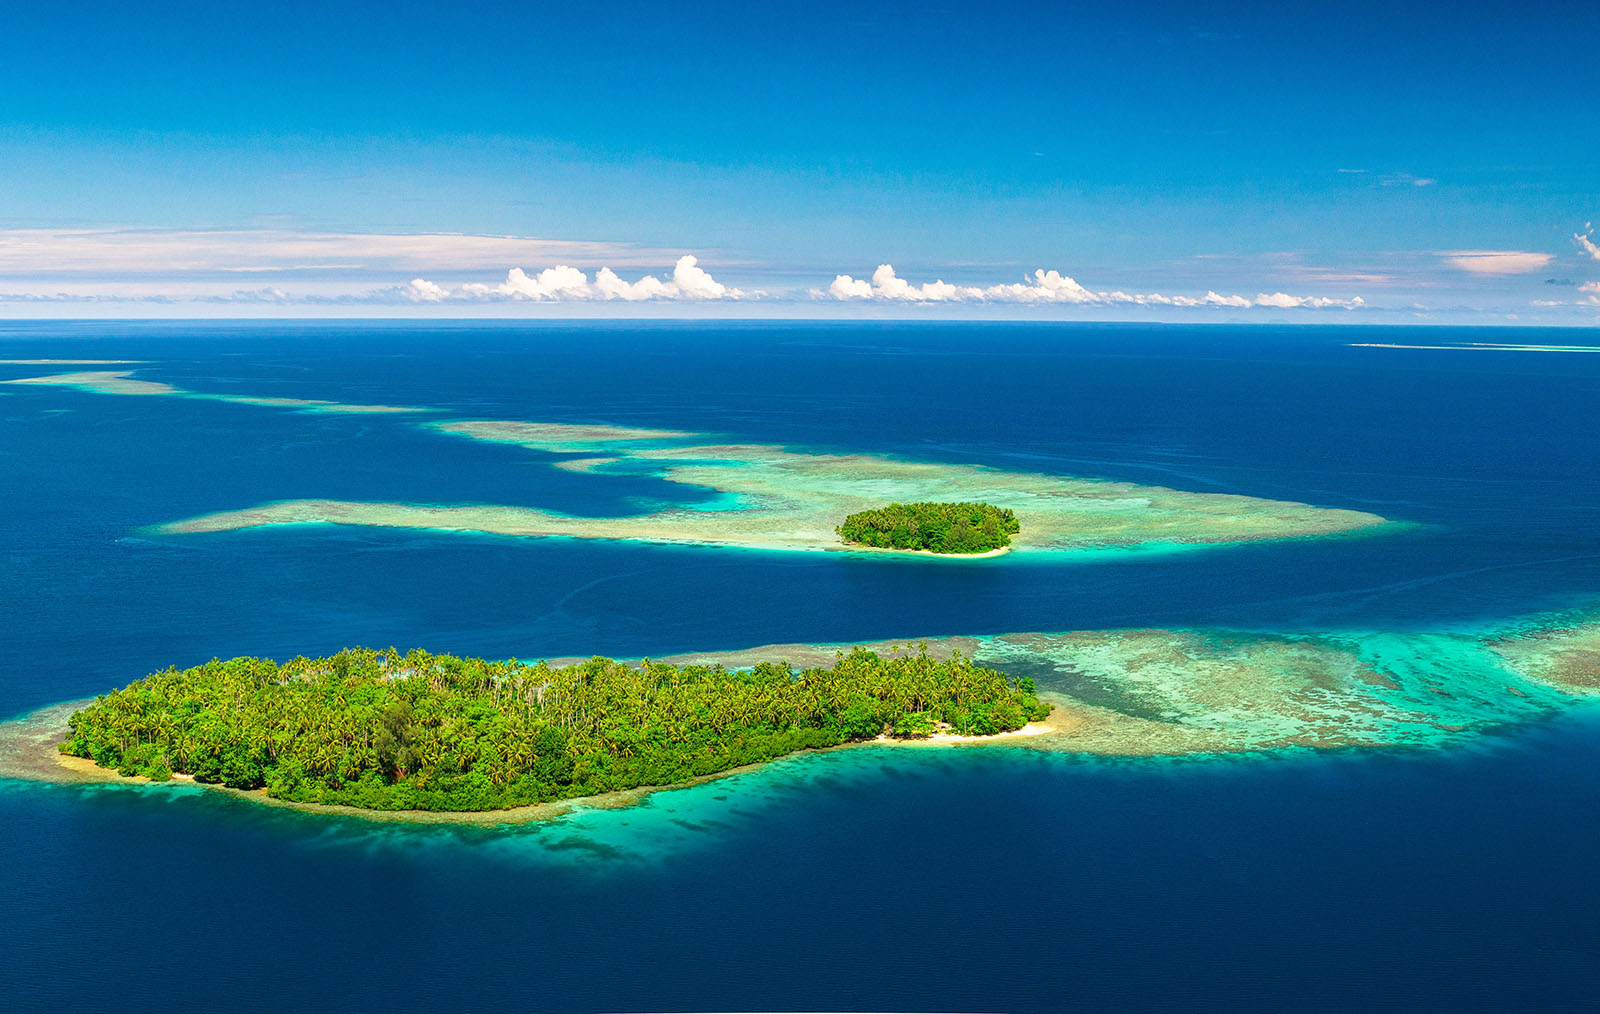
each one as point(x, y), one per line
point(935, 527)
point(434, 732)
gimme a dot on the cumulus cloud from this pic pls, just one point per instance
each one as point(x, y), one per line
point(1590, 287)
point(1498, 262)
point(689, 282)
point(420, 290)
point(1049, 287)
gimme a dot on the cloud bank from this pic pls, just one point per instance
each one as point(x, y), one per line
point(1051, 287)
point(689, 281)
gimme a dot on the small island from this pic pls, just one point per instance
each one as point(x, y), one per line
point(950, 529)
point(385, 731)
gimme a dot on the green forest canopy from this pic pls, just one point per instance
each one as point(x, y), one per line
point(935, 527)
point(434, 732)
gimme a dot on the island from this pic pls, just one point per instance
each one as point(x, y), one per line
point(947, 529)
point(378, 730)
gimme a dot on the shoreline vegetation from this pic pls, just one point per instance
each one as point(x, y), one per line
point(381, 731)
point(943, 529)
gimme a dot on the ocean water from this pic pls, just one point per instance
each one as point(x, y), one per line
point(1461, 878)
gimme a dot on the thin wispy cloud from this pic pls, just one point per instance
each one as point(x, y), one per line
point(132, 252)
point(1391, 179)
point(1498, 262)
point(1405, 180)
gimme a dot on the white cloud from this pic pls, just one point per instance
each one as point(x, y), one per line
point(267, 294)
point(1281, 300)
point(1498, 262)
point(1045, 287)
point(1393, 179)
point(551, 283)
point(1586, 243)
point(1405, 180)
point(420, 290)
point(1285, 301)
point(608, 286)
point(560, 283)
point(1590, 287)
point(845, 287)
point(1049, 287)
point(693, 282)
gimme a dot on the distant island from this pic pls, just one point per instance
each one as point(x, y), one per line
point(384, 731)
point(962, 529)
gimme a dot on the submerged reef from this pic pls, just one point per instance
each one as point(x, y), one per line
point(1564, 656)
point(792, 500)
point(771, 497)
point(122, 382)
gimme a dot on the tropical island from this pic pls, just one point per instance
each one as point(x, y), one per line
point(385, 731)
point(953, 529)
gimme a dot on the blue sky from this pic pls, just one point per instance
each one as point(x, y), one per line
point(1357, 162)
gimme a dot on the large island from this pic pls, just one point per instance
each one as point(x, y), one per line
point(384, 731)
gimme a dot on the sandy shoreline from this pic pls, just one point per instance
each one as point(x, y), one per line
point(852, 547)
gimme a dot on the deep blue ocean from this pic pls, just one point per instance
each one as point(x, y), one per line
point(1455, 879)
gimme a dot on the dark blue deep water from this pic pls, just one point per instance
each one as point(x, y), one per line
point(1463, 879)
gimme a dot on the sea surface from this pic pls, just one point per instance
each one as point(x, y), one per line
point(1458, 878)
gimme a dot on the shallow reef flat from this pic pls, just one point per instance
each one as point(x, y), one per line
point(1161, 692)
point(28, 748)
point(777, 498)
point(1179, 692)
point(121, 382)
point(1563, 656)
point(554, 437)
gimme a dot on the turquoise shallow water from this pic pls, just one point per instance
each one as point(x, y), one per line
point(1458, 877)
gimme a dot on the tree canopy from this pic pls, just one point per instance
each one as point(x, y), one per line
point(956, 528)
point(434, 732)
